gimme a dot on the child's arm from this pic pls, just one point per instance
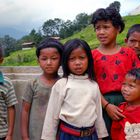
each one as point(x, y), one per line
point(99, 123)
point(25, 120)
point(113, 111)
point(11, 121)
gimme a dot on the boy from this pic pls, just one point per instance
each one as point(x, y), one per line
point(36, 96)
point(7, 105)
point(133, 38)
point(128, 128)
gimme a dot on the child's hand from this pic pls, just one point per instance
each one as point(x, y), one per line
point(114, 112)
point(8, 137)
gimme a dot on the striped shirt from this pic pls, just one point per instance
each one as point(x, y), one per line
point(7, 99)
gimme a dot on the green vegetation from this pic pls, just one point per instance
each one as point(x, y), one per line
point(27, 57)
point(88, 33)
point(21, 58)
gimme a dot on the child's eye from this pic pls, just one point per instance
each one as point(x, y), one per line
point(71, 58)
point(132, 41)
point(97, 28)
point(106, 27)
point(131, 86)
point(54, 58)
point(44, 58)
point(82, 57)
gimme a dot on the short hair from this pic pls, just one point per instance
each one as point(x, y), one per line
point(135, 72)
point(71, 45)
point(106, 14)
point(49, 43)
point(132, 29)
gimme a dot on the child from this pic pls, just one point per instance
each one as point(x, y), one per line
point(74, 110)
point(36, 96)
point(7, 105)
point(129, 128)
point(133, 38)
point(111, 62)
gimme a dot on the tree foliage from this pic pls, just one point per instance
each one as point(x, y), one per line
point(9, 44)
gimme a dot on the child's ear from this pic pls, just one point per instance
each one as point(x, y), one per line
point(125, 40)
point(119, 29)
point(37, 60)
point(1, 60)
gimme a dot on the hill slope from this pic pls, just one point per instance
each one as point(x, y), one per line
point(28, 57)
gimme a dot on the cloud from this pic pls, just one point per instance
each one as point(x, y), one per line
point(29, 14)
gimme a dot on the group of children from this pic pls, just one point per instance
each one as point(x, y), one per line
point(93, 83)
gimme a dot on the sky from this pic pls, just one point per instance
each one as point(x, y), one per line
point(28, 14)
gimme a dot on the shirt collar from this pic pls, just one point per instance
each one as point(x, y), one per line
point(80, 77)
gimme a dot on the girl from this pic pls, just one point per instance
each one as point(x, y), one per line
point(129, 127)
point(74, 110)
point(36, 96)
point(111, 62)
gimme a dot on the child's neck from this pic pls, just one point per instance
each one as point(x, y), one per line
point(109, 49)
point(133, 104)
point(49, 79)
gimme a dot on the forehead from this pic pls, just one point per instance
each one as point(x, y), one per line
point(78, 50)
point(52, 50)
point(135, 35)
point(103, 22)
point(131, 79)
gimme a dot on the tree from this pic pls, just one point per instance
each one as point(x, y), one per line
point(9, 44)
point(67, 29)
point(52, 27)
point(81, 21)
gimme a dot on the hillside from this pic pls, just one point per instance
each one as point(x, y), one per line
point(136, 11)
point(27, 57)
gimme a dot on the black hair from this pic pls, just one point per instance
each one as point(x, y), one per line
point(68, 48)
point(108, 14)
point(135, 72)
point(49, 43)
point(132, 29)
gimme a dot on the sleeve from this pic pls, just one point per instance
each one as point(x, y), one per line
point(10, 96)
point(99, 123)
point(51, 121)
point(29, 92)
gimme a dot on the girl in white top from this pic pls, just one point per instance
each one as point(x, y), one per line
point(74, 110)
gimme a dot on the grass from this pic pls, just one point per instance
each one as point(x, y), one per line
point(28, 58)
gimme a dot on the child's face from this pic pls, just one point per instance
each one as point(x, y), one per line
point(49, 60)
point(78, 61)
point(106, 33)
point(131, 90)
point(134, 42)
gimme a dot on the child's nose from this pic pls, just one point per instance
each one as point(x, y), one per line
point(48, 61)
point(77, 61)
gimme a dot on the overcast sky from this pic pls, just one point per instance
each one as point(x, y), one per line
point(29, 14)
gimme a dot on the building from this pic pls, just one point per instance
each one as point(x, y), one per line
point(27, 45)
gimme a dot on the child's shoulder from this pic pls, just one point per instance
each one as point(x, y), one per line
point(126, 49)
point(7, 81)
point(61, 81)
